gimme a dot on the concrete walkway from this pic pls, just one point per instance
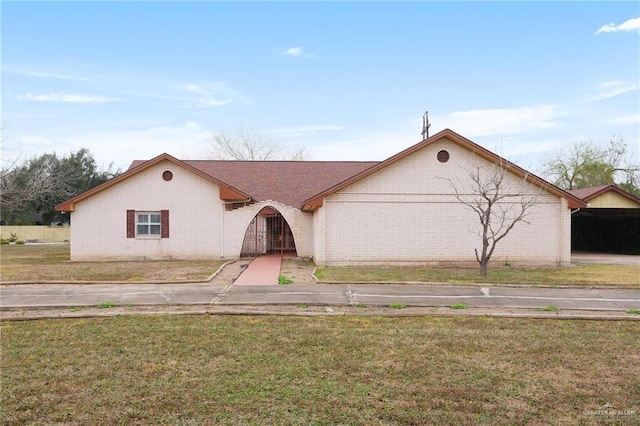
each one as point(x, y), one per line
point(263, 270)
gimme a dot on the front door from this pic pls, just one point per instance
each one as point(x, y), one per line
point(279, 236)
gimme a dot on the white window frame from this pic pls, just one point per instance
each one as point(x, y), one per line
point(148, 224)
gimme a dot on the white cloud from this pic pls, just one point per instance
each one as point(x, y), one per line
point(629, 25)
point(213, 103)
point(71, 98)
point(194, 88)
point(208, 94)
point(485, 122)
point(610, 89)
point(36, 141)
point(45, 74)
point(293, 51)
point(363, 146)
point(189, 140)
point(627, 119)
point(296, 52)
point(118, 146)
point(297, 131)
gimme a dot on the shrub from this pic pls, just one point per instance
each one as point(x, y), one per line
point(284, 280)
point(397, 306)
point(459, 306)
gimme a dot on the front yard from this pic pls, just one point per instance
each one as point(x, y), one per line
point(51, 263)
point(204, 369)
point(575, 276)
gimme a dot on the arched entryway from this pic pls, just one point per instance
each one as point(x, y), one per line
point(268, 233)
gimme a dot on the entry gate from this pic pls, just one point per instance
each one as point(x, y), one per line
point(268, 233)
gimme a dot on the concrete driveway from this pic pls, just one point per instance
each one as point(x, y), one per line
point(604, 259)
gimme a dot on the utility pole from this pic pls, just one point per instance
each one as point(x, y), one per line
point(425, 125)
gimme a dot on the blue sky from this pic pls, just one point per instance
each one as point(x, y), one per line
point(346, 80)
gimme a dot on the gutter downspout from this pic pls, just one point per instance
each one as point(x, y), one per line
point(222, 209)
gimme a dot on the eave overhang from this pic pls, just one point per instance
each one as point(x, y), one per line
point(572, 201)
point(227, 192)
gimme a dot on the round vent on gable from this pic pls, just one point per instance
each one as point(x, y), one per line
point(167, 175)
point(443, 156)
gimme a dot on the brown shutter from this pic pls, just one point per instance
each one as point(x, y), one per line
point(164, 223)
point(131, 223)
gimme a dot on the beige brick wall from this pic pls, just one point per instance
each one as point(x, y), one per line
point(406, 213)
point(98, 230)
point(197, 219)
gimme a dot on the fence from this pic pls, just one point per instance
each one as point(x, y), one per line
point(41, 233)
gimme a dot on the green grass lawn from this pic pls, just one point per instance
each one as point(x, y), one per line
point(51, 263)
point(193, 370)
point(578, 276)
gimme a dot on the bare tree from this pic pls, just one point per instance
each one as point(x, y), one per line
point(33, 183)
point(34, 187)
point(250, 145)
point(498, 205)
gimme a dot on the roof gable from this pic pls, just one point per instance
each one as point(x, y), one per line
point(227, 192)
point(588, 194)
point(573, 201)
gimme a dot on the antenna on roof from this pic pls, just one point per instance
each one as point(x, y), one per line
point(425, 125)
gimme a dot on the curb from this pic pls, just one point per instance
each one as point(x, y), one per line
point(293, 311)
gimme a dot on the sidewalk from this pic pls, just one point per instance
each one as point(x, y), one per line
point(36, 296)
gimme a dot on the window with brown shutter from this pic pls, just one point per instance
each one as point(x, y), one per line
point(131, 223)
point(146, 224)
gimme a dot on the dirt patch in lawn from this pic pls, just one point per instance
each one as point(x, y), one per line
point(298, 270)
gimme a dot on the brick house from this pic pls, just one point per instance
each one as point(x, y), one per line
point(399, 211)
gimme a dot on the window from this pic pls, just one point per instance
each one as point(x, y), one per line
point(148, 224)
point(443, 156)
point(141, 224)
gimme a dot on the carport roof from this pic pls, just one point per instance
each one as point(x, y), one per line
point(588, 194)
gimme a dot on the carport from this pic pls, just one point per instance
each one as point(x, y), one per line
point(610, 223)
point(601, 230)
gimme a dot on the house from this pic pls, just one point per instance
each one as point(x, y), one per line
point(610, 223)
point(399, 211)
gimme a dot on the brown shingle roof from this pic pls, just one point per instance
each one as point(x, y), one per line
point(288, 182)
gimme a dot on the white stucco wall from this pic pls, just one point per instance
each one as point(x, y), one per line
point(407, 213)
point(99, 223)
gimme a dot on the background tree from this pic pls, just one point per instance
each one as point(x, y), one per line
point(34, 187)
point(250, 145)
point(585, 164)
point(498, 203)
